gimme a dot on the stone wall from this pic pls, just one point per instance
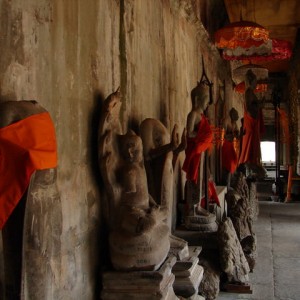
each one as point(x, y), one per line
point(69, 55)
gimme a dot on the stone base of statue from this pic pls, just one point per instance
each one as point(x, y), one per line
point(188, 274)
point(141, 251)
point(204, 223)
point(237, 288)
point(136, 285)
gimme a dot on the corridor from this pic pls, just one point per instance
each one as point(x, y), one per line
point(277, 272)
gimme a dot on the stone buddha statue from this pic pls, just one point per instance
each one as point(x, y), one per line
point(199, 139)
point(253, 128)
point(138, 233)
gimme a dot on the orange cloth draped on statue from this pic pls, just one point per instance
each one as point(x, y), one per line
point(25, 146)
point(195, 146)
point(253, 128)
point(229, 156)
point(212, 195)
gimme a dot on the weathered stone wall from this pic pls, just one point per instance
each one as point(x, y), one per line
point(162, 61)
point(295, 71)
point(71, 54)
point(65, 54)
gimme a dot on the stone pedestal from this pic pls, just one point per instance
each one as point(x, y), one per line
point(188, 274)
point(207, 223)
point(201, 223)
point(178, 247)
point(136, 285)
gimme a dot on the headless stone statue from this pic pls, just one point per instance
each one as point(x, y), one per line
point(31, 234)
point(138, 234)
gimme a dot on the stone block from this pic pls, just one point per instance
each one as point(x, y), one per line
point(145, 285)
point(188, 286)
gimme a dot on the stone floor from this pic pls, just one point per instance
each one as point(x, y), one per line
point(277, 272)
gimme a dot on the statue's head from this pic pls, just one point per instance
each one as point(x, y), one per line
point(200, 96)
point(131, 147)
point(113, 102)
point(233, 114)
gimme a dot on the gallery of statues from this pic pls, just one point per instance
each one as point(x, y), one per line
point(136, 176)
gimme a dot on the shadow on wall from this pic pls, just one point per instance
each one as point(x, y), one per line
point(100, 237)
point(12, 237)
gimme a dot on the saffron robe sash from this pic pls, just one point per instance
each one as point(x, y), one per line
point(212, 195)
point(254, 128)
point(229, 156)
point(195, 146)
point(25, 146)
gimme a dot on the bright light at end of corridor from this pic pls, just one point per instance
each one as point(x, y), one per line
point(267, 151)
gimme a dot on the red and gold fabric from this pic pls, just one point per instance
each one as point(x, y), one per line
point(280, 50)
point(243, 34)
point(260, 87)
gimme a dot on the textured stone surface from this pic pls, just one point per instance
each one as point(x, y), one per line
point(210, 284)
point(232, 259)
point(253, 199)
point(41, 255)
point(243, 210)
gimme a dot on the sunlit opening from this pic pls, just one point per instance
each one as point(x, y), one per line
point(268, 152)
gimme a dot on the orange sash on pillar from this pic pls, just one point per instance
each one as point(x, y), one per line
point(195, 146)
point(25, 146)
